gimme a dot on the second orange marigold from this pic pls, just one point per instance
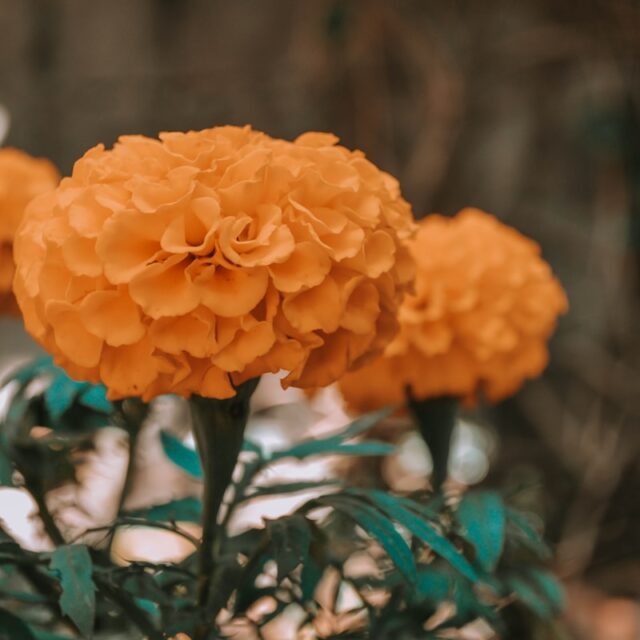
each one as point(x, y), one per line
point(478, 323)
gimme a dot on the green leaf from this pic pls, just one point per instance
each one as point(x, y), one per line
point(421, 528)
point(281, 488)
point(290, 538)
point(529, 596)
point(25, 374)
point(6, 466)
point(377, 525)
point(61, 394)
point(312, 573)
point(252, 447)
point(41, 634)
point(482, 517)
point(181, 455)
point(335, 444)
point(547, 584)
point(72, 564)
point(324, 447)
point(183, 510)
point(12, 628)
point(366, 422)
point(433, 586)
point(95, 397)
point(527, 533)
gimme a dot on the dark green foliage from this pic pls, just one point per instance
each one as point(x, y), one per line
point(181, 455)
point(476, 555)
point(73, 567)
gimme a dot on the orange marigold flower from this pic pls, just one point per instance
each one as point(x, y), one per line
point(22, 178)
point(185, 264)
point(484, 305)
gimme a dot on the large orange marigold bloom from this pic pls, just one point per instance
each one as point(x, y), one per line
point(194, 262)
point(484, 306)
point(22, 178)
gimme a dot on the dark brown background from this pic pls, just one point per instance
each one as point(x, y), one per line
point(528, 108)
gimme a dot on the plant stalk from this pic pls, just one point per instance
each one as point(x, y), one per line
point(218, 427)
point(436, 419)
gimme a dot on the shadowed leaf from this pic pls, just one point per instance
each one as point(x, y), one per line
point(72, 564)
point(482, 517)
point(181, 455)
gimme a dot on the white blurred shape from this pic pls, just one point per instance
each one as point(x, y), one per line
point(471, 450)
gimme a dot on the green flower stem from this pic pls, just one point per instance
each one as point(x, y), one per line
point(218, 427)
point(435, 418)
point(130, 414)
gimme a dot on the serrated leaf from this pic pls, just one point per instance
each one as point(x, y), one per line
point(95, 397)
point(482, 517)
point(183, 510)
point(281, 488)
point(422, 529)
point(60, 395)
point(13, 628)
point(290, 539)
point(73, 566)
point(380, 528)
point(181, 455)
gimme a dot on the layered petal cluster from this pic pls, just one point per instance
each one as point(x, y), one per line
point(484, 306)
point(190, 263)
point(22, 178)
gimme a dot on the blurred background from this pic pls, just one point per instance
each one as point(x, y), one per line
point(529, 110)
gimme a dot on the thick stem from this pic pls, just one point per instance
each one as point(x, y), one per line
point(435, 418)
point(130, 414)
point(218, 427)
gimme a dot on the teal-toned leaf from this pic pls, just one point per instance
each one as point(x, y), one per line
point(95, 397)
point(41, 634)
point(527, 533)
point(6, 466)
point(336, 443)
point(23, 596)
point(282, 488)
point(61, 394)
point(252, 447)
point(433, 586)
point(311, 575)
point(530, 596)
point(324, 447)
point(548, 585)
point(181, 455)
point(183, 510)
point(421, 528)
point(12, 628)
point(290, 539)
point(73, 566)
point(366, 422)
point(33, 369)
point(482, 517)
point(148, 605)
point(380, 528)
